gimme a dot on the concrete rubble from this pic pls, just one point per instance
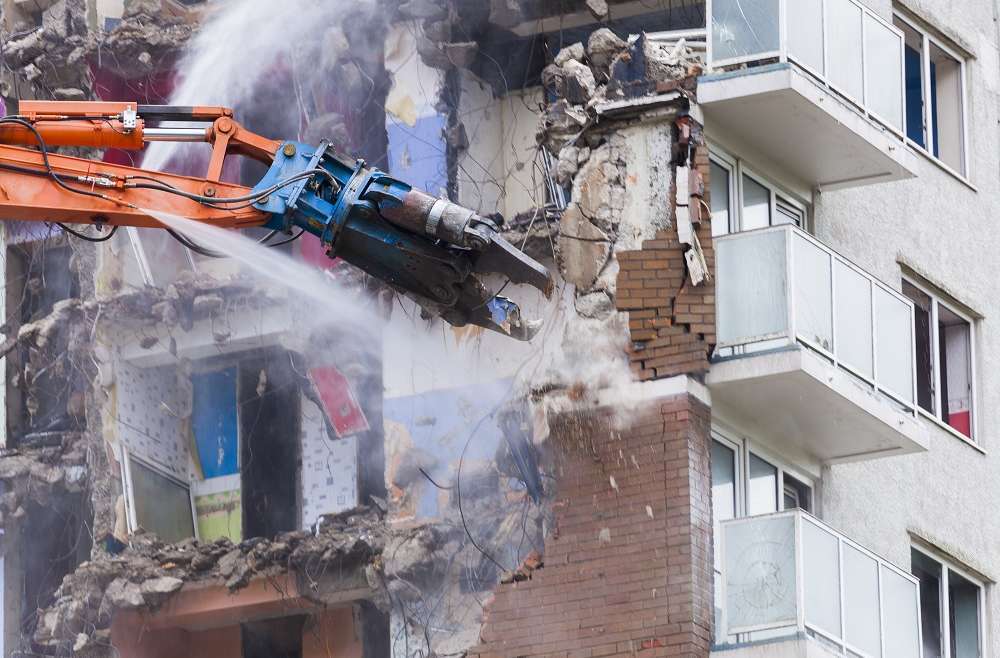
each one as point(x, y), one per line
point(147, 572)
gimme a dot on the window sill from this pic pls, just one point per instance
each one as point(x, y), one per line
point(951, 430)
point(940, 164)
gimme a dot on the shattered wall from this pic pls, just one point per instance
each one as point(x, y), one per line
point(577, 145)
point(614, 132)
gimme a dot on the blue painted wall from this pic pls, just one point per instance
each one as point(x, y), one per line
point(215, 422)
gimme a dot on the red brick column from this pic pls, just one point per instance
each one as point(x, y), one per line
point(628, 565)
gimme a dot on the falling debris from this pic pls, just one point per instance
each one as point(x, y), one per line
point(599, 8)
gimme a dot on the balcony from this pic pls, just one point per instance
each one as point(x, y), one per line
point(812, 352)
point(812, 87)
point(792, 582)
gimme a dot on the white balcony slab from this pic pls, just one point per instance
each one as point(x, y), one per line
point(805, 404)
point(784, 116)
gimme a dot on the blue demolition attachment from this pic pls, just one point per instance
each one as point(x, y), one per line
point(427, 248)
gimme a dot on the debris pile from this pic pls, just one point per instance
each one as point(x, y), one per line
point(150, 34)
point(608, 69)
point(47, 50)
point(146, 573)
point(41, 474)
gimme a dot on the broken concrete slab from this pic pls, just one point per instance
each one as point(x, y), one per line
point(599, 8)
point(603, 47)
point(575, 51)
point(583, 249)
point(580, 83)
point(124, 595)
point(568, 164)
point(597, 305)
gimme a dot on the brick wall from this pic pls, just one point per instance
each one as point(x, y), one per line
point(672, 321)
point(628, 563)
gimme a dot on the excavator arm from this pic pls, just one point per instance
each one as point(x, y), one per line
point(427, 248)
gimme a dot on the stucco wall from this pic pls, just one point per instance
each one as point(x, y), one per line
point(944, 229)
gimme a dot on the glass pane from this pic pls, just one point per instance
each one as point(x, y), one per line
point(893, 345)
point(756, 205)
point(899, 610)
point(956, 364)
point(805, 33)
point(762, 485)
point(854, 320)
point(760, 573)
point(884, 67)
point(821, 576)
point(924, 353)
point(928, 572)
point(162, 505)
point(946, 109)
point(744, 27)
point(797, 495)
point(751, 286)
point(719, 186)
point(813, 284)
point(861, 616)
point(723, 488)
point(845, 49)
point(963, 598)
point(914, 71)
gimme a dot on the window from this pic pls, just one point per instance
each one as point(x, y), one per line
point(160, 504)
point(767, 487)
point(951, 606)
point(934, 72)
point(743, 201)
point(944, 360)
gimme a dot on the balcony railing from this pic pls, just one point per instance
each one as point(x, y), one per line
point(842, 43)
point(789, 573)
point(780, 287)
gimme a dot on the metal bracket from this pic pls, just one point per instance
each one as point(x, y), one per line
point(346, 203)
point(129, 118)
point(298, 187)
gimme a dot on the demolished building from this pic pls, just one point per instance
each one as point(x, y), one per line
point(197, 462)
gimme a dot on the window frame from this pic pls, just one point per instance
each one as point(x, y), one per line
point(927, 40)
point(777, 195)
point(936, 418)
point(743, 446)
point(948, 566)
point(131, 516)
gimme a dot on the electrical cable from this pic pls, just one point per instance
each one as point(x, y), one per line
point(431, 480)
point(458, 491)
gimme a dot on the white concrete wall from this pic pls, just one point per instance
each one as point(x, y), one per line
point(944, 229)
point(501, 171)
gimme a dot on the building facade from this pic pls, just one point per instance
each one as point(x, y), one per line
point(757, 421)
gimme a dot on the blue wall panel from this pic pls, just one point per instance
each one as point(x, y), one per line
point(215, 422)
